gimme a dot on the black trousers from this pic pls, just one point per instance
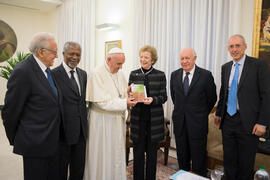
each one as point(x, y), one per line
point(72, 156)
point(144, 145)
point(191, 150)
point(239, 149)
point(41, 168)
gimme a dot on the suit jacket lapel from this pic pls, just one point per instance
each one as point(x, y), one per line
point(63, 74)
point(80, 80)
point(227, 74)
point(180, 80)
point(195, 78)
point(244, 72)
point(44, 81)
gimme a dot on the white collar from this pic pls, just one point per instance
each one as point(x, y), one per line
point(67, 68)
point(108, 68)
point(40, 63)
point(241, 62)
point(191, 72)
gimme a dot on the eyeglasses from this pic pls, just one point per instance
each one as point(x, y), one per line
point(52, 51)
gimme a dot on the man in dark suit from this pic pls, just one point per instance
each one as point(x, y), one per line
point(72, 82)
point(242, 110)
point(193, 93)
point(31, 112)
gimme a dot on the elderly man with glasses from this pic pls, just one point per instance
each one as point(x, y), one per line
point(31, 113)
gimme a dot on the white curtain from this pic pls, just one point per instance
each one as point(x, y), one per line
point(76, 22)
point(170, 25)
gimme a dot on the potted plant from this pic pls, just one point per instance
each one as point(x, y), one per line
point(5, 71)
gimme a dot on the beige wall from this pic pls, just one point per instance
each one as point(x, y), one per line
point(247, 23)
point(119, 12)
point(25, 23)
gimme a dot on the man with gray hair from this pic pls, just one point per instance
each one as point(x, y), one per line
point(107, 93)
point(243, 109)
point(31, 112)
point(72, 83)
point(193, 93)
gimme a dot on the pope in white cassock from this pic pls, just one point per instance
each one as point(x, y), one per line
point(107, 92)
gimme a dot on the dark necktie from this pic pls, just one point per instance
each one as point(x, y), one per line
point(232, 98)
point(186, 83)
point(49, 77)
point(73, 81)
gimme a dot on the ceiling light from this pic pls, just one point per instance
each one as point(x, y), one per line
point(106, 26)
point(58, 2)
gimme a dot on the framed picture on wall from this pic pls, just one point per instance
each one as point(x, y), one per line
point(261, 30)
point(111, 44)
point(8, 41)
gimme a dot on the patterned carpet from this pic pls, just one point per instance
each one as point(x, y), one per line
point(163, 172)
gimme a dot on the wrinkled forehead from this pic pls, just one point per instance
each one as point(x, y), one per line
point(146, 51)
point(235, 40)
point(74, 47)
point(117, 56)
point(186, 53)
point(50, 43)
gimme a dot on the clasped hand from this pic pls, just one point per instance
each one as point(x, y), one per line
point(258, 130)
point(131, 102)
point(148, 100)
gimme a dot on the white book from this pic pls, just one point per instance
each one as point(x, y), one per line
point(139, 92)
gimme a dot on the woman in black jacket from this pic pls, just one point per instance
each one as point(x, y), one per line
point(147, 117)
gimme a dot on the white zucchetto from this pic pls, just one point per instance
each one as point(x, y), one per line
point(115, 50)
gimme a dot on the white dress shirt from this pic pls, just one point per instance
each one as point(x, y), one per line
point(190, 76)
point(241, 65)
point(41, 65)
point(68, 69)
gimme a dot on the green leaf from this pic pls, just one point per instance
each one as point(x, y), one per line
point(5, 71)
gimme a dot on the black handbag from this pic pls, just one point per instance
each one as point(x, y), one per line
point(264, 143)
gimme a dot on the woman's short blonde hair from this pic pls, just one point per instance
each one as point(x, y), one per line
point(151, 50)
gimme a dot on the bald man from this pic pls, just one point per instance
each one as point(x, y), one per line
point(107, 92)
point(193, 93)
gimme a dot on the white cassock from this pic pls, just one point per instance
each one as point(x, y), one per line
point(105, 148)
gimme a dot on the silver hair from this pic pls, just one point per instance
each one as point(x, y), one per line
point(71, 43)
point(194, 52)
point(238, 35)
point(40, 40)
